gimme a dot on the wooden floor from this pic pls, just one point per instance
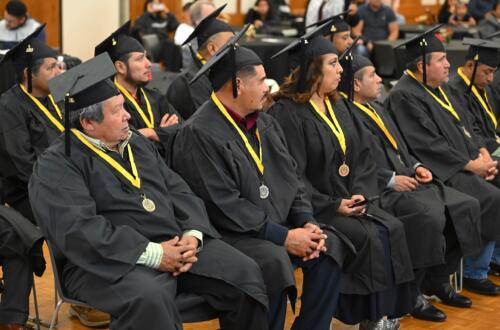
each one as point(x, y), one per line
point(484, 314)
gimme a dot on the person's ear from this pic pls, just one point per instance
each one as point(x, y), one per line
point(357, 86)
point(87, 124)
point(120, 67)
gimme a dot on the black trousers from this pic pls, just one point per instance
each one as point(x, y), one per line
point(144, 299)
point(18, 280)
point(320, 292)
point(435, 276)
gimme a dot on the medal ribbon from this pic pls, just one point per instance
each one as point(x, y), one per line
point(57, 123)
point(484, 102)
point(256, 159)
point(133, 178)
point(446, 105)
point(370, 111)
point(150, 123)
point(335, 126)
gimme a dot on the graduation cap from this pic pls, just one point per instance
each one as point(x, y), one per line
point(209, 26)
point(350, 66)
point(337, 24)
point(27, 51)
point(422, 44)
point(308, 47)
point(119, 43)
point(493, 35)
point(84, 85)
point(227, 61)
point(481, 51)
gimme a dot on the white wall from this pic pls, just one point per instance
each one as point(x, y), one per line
point(85, 23)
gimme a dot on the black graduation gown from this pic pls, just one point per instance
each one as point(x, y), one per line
point(318, 155)
point(211, 157)
point(159, 107)
point(20, 238)
point(483, 126)
point(437, 139)
point(25, 132)
point(494, 90)
point(94, 217)
point(188, 98)
point(424, 210)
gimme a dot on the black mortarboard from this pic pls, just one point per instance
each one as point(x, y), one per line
point(119, 43)
point(481, 51)
point(352, 64)
point(209, 26)
point(422, 44)
point(337, 24)
point(308, 47)
point(27, 51)
point(84, 85)
point(227, 61)
point(493, 35)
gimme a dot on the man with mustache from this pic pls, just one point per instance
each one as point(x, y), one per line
point(150, 112)
point(441, 135)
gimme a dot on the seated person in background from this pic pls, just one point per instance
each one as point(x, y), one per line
point(210, 34)
point(20, 256)
point(440, 135)
point(156, 19)
point(17, 25)
point(447, 9)
point(260, 15)
point(378, 22)
point(441, 223)
point(394, 5)
point(335, 162)
point(186, 28)
point(491, 23)
point(131, 232)
point(258, 203)
point(318, 10)
point(460, 17)
point(29, 118)
point(479, 9)
point(198, 11)
point(150, 112)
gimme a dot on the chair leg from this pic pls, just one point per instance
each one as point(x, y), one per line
point(53, 322)
point(35, 300)
point(460, 285)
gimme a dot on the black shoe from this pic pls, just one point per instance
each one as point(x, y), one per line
point(494, 269)
point(424, 310)
point(448, 296)
point(483, 286)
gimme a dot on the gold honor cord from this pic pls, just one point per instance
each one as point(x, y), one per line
point(446, 105)
point(133, 178)
point(256, 159)
point(372, 113)
point(201, 58)
point(57, 123)
point(484, 102)
point(335, 126)
point(149, 122)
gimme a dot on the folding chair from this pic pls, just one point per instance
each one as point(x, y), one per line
point(192, 308)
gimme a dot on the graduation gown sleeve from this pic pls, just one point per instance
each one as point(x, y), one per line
point(209, 171)
point(423, 136)
point(66, 213)
point(297, 145)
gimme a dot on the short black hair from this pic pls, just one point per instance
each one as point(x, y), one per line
point(16, 8)
point(412, 66)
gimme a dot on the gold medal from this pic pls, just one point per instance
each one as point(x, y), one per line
point(466, 132)
point(344, 170)
point(148, 204)
point(263, 191)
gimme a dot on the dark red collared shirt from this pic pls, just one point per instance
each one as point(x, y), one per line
point(247, 122)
